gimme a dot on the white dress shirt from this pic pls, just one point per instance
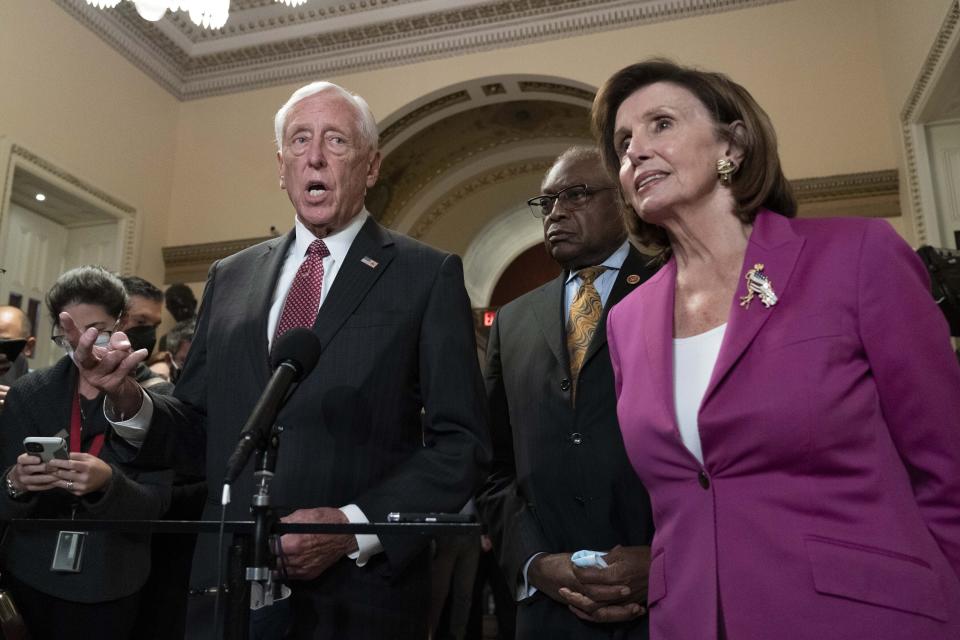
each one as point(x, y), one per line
point(134, 429)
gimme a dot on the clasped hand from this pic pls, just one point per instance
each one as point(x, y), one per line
point(307, 555)
point(616, 593)
point(80, 475)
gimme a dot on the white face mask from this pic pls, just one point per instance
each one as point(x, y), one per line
point(103, 339)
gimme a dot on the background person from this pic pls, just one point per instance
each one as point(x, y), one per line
point(16, 330)
point(102, 598)
point(181, 304)
point(786, 388)
point(561, 481)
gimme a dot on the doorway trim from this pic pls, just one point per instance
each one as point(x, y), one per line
point(926, 227)
point(15, 157)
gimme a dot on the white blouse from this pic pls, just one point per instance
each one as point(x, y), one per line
point(693, 362)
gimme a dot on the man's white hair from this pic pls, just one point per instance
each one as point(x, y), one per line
point(368, 124)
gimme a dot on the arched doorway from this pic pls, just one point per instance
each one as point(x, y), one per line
point(460, 163)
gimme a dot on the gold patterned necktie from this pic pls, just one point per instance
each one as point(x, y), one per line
point(585, 312)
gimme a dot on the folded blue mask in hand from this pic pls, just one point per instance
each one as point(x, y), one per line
point(589, 559)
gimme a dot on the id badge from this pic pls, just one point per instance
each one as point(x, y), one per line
point(68, 554)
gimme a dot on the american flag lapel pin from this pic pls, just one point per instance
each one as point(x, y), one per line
point(370, 262)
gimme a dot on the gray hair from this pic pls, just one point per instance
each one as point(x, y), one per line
point(577, 153)
point(368, 124)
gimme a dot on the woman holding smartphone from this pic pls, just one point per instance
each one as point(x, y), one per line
point(65, 582)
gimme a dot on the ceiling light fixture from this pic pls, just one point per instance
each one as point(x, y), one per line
point(40, 197)
point(209, 14)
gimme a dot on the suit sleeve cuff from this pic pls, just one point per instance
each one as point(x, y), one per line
point(368, 545)
point(524, 588)
point(134, 429)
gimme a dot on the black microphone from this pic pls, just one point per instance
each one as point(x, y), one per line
point(294, 355)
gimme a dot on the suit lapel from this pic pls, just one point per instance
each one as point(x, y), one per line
point(658, 334)
point(548, 308)
point(263, 282)
point(774, 245)
point(369, 255)
point(633, 265)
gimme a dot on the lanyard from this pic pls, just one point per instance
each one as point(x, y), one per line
point(76, 427)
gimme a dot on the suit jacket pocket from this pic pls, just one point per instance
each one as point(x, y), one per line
point(657, 581)
point(875, 576)
point(794, 330)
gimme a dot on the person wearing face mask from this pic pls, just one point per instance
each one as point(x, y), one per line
point(140, 322)
point(164, 596)
point(16, 345)
point(96, 590)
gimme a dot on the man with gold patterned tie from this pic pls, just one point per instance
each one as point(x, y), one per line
point(560, 481)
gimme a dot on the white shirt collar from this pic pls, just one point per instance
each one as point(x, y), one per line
point(338, 243)
point(613, 262)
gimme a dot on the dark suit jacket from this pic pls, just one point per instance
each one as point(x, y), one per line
point(560, 481)
point(397, 335)
point(114, 565)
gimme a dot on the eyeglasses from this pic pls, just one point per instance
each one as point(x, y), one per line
point(103, 337)
point(572, 198)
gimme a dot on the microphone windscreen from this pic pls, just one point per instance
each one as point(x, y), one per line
point(299, 346)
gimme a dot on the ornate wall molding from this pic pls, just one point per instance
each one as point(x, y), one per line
point(190, 262)
point(847, 185)
point(267, 44)
point(909, 119)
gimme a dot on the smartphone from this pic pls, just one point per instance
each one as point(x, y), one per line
point(12, 348)
point(46, 448)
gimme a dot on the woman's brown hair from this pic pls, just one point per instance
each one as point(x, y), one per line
point(759, 181)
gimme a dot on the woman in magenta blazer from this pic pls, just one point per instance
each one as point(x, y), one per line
point(786, 388)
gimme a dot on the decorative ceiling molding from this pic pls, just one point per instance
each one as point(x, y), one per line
point(921, 200)
point(267, 44)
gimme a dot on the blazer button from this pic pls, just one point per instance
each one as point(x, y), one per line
point(565, 385)
point(576, 438)
point(703, 479)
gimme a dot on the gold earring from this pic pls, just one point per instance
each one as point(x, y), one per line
point(725, 170)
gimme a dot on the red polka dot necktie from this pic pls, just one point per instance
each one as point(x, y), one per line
point(303, 298)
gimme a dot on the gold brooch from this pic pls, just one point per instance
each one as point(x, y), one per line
point(758, 284)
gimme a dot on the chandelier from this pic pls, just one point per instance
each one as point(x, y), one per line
point(209, 14)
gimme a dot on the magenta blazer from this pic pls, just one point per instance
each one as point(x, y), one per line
point(828, 505)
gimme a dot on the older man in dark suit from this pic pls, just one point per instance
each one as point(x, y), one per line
point(561, 481)
point(394, 321)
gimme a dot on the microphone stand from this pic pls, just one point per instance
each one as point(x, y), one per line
point(256, 564)
point(261, 573)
